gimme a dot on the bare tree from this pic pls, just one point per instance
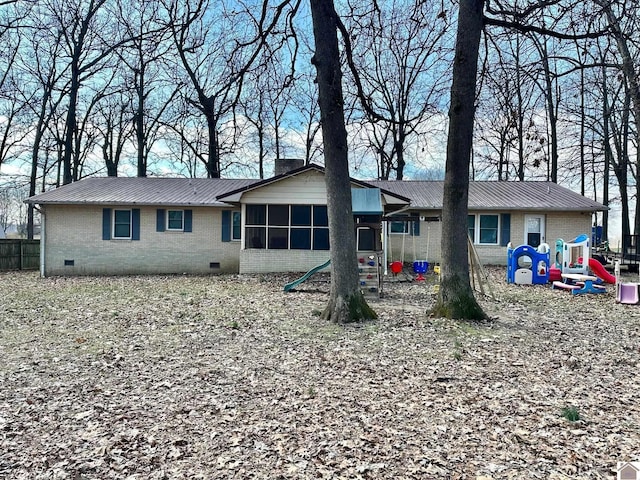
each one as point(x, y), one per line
point(89, 37)
point(510, 138)
point(629, 68)
point(346, 302)
point(266, 102)
point(45, 92)
point(400, 52)
point(215, 64)
point(85, 50)
point(305, 100)
point(113, 122)
point(456, 298)
point(143, 63)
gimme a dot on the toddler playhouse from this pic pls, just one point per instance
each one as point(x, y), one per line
point(527, 265)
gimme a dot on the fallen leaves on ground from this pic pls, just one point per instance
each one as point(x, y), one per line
point(230, 377)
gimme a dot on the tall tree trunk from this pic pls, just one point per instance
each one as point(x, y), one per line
point(633, 81)
point(213, 158)
point(520, 120)
point(456, 298)
point(607, 153)
point(70, 124)
point(583, 171)
point(399, 147)
point(346, 302)
point(551, 111)
point(139, 122)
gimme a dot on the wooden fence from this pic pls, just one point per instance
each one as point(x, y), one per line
point(19, 254)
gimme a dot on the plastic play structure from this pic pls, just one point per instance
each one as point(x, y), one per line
point(573, 263)
point(575, 257)
point(626, 293)
point(369, 275)
point(527, 272)
point(291, 285)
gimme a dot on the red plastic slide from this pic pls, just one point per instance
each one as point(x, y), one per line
point(597, 268)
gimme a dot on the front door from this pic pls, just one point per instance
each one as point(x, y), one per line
point(534, 233)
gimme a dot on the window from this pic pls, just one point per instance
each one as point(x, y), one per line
point(295, 227)
point(231, 228)
point(175, 220)
point(484, 229)
point(366, 240)
point(489, 229)
point(279, 215)
point(399, 227)
point(122, 224)
point(256, 214)
point(236, 224)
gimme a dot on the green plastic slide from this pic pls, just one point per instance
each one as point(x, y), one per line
point(295, 283)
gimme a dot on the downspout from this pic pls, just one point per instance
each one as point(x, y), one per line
point(42, 241)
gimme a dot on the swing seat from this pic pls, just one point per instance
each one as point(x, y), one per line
point(396, 267)
point(420, 267)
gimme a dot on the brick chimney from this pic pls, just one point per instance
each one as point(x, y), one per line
point(284, 165)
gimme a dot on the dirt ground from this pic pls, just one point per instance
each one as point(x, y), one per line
point(230, 377)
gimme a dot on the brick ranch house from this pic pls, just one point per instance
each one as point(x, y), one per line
point(117, 226)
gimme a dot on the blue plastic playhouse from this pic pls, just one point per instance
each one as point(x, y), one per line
point(535, 271)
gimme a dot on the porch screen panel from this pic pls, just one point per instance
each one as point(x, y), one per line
point(294, 227)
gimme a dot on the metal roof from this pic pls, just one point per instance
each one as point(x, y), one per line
point(427, 195)
point(141, 191)
point(488, 195)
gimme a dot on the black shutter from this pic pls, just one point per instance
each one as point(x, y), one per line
point(161, 215)
point(106, 224)
point(188, 220)
point(135, 224)
point(226, 225)
point(505, 229)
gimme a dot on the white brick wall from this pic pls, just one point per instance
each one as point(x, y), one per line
point(75, 233)
point(265, 261)
point(565, 225)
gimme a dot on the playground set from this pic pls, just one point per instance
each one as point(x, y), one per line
point(370, 274)
point(573, 269)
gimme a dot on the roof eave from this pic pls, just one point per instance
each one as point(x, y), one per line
point(138, 204)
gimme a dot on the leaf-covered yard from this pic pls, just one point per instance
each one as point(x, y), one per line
point(230, 377)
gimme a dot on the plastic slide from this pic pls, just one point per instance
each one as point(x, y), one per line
point(295, 283)
point(597, 268)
